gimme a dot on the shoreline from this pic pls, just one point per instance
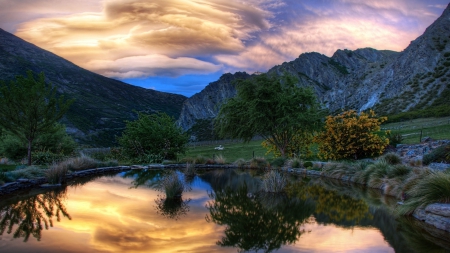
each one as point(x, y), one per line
point(436, 215)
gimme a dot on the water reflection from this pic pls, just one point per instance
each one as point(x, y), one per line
point(32, 214)
point(261, 222)
point(172, 208)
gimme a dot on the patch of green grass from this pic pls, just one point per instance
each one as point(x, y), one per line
point(435, 128)
point(232, 151)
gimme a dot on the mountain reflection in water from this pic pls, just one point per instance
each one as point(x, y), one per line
point(223, 212)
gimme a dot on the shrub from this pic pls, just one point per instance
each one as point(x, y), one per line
point(440, 154)
point(307, 164)
point(349, 135)
point(46, 157)
point(274, 181)
point(434, 188)
point(154, 134)
point(56, 174)
point(278, 162)
point(200, 160)
point(258, 163)
point(392, 158)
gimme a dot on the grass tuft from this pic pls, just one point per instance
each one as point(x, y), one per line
point(56, 174)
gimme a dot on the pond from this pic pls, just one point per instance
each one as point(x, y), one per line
point(223, 211)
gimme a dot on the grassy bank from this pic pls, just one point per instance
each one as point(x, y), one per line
point(412, 130)
point(231, 151)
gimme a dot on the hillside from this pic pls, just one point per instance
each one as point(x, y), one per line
point(101, 104)
point(388, 82)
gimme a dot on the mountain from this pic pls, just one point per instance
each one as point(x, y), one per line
point(386, 81)
point(101, 104)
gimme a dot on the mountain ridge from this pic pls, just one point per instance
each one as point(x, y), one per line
point(102, 105)
point(387, 81)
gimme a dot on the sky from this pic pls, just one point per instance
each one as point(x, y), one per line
point(180, 46)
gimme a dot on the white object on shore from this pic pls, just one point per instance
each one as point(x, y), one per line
point(220, 147)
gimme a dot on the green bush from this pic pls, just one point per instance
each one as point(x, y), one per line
point(154, 134)
point(46, 157)
point(278, 162)
point(440, 154)
point(308, 164)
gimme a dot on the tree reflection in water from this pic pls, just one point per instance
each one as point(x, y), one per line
point(32, 214)
point(172, 208)
point(260, 222)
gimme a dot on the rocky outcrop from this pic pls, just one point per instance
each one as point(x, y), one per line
point(206, 104)
point(387, 81)
point(437, 215)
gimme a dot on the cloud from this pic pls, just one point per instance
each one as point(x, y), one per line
point(136, 38)
point(151, 65)
point(176, 33)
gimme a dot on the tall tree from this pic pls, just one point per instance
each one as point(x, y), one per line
point(29, 107)
point(272, 107)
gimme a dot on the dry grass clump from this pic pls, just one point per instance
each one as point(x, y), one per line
point(274, 181)
point(392, 158)
point(433, 188)
point(219, 159)
point(258, 163)
point(56, 174)
point(171, 184)
point(84, 162)
point(240, 163)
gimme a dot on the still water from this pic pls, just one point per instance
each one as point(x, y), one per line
point(223, 211)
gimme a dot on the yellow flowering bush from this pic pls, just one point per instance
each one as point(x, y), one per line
point(352, 135)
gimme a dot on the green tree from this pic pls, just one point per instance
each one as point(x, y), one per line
point(29, 107)
point(154, 136)
point(272, 107)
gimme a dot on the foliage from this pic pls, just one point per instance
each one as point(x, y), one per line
point(278, 162)
point(49, 147)
point(349, 135)
point(240, 163)
point(29, 108)
point(152, 136)
point(274, 181)
point(219, 159)
point(440, 154)
point(434, 188)
point(271, 107)
point(298, 146)
point(308, 164)
point(295, 163)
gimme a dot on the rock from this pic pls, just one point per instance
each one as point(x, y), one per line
point(439, 209)
point(439, 166)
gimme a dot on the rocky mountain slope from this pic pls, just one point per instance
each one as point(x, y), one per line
point(101, 104)
point(386, 81)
